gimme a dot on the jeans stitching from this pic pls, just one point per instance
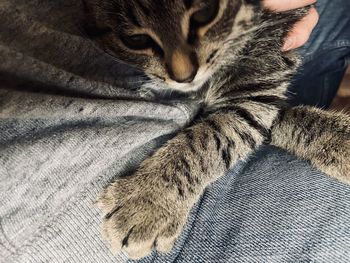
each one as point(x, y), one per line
point(326, 47)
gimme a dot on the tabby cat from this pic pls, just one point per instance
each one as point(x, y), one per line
point(226, 55)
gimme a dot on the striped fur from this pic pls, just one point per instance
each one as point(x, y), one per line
point(243, 100)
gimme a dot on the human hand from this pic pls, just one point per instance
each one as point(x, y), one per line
point(302, 30)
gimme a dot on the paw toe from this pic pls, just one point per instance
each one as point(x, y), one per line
point(165, 245)
point(113, 236)
point(138, 250)
point(167, 238)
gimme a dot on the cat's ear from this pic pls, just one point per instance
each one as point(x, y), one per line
point(91, 27)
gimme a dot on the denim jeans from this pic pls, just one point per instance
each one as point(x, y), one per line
point(325, 56)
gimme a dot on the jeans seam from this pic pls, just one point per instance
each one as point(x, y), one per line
point(347, 61)
point(326, 47)
point(327, 84)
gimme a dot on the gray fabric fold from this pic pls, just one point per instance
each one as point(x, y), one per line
point(71, 120)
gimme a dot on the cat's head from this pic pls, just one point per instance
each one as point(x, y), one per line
point(181, 42)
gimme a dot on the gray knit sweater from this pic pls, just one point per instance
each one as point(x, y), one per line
point(69, 124)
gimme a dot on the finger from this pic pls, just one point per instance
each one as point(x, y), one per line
point(301, 31)
point(284, 5)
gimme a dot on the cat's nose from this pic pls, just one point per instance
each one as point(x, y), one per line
point(189, 79)
point(183, 67)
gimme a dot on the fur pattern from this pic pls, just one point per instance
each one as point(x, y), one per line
point(243, 99)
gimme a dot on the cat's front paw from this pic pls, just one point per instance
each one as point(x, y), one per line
point(329, 142)
point(334, 156)
point(143, 213)
point(321, 137)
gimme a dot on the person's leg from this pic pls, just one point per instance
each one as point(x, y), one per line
point(325, 56)
point(275, 209)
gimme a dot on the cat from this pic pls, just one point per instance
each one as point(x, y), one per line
point(227, 55)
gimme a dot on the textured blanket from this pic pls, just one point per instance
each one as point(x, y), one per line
point(72, 120)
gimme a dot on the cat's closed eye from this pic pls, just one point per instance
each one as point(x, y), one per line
point(137, 41)
point(179, 41)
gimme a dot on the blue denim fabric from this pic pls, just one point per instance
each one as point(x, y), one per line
point(325, 56)
point(273, 209)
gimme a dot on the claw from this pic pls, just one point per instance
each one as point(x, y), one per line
point(126, 238)
point(115, 210)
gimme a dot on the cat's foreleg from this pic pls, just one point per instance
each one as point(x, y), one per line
point(148, 209)
point(322, 137)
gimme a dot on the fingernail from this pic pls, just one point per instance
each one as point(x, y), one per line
point(289, 44)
